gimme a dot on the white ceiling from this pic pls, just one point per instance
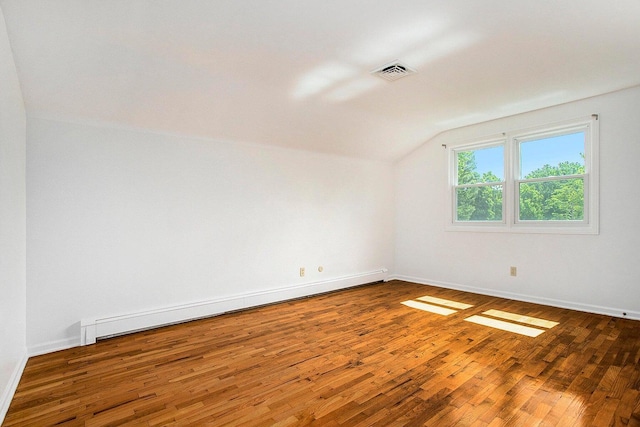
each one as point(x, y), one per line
point(295, 73)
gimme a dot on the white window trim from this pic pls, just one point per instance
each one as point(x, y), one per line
point(510, 202)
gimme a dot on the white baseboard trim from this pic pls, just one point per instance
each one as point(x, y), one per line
point(91, 329)
point(51, 346)
point(608, 311)
point(10, 389)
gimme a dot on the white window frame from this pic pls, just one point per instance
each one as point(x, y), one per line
point(510, 200)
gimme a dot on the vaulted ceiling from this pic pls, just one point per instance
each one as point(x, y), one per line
point(296, 73)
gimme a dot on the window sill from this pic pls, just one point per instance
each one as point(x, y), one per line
point(524, 229)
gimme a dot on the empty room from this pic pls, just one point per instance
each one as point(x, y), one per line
point(336, 213)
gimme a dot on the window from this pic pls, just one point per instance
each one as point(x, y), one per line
point(479, 189)
point(543, 180)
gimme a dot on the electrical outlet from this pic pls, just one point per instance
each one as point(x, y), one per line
point(514, 271)
point(301, 271)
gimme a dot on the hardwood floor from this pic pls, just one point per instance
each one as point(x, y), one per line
point(352, 358)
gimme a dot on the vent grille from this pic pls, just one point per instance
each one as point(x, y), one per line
point(393, 71)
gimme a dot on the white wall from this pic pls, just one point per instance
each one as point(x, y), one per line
point(12, 225)
point(591, 272)
point(122, 221)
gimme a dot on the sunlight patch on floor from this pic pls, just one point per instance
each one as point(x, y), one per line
point(505, 326)
point(428, 307)
point(445, 302)
point(511, 322)
point(528, 320)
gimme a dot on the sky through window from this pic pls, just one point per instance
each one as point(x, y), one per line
point(551, 151)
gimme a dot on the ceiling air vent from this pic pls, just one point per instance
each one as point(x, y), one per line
point(393, 71)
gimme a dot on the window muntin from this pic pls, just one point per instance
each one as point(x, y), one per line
point(479, 187)
point(548, 181)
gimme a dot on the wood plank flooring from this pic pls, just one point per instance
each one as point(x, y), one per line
point(356, 357)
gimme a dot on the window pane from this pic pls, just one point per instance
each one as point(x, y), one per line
point(479, 203)
point(555, 156)
point(479, 166)
point(556, 200)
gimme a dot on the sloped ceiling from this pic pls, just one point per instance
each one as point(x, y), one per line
point(296, 73)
